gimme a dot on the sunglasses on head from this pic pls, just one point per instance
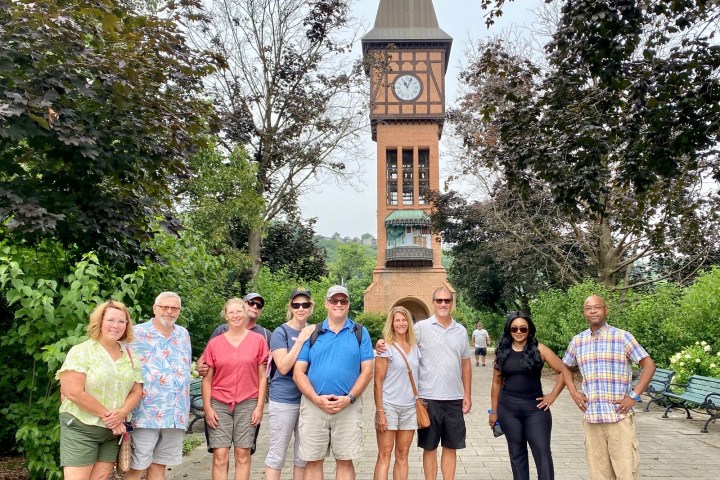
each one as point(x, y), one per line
point(446, 301)
point(341, 301)
point(516, 329)
point(304, 305)
point(255, 304)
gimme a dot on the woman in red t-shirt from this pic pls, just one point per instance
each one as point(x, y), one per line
point(233, 391)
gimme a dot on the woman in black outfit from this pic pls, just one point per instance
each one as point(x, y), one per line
point(517, 398)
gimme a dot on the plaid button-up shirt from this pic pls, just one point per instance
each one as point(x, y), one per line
point(604, 359)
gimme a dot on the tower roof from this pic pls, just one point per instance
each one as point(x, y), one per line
point(406, 21)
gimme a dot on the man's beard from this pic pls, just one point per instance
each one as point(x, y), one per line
point(166, 323)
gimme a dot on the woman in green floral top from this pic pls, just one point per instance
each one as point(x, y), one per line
point(101, 384)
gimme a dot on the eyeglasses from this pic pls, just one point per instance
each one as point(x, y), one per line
point(168, 308)
point(304, 305)
point(341, 301)
point(446, 301)
point(255, 304)
point(515, 329)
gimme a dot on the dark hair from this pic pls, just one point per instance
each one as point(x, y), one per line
point(531, 358)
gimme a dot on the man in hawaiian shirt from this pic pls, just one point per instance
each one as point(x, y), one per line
point(163, 349)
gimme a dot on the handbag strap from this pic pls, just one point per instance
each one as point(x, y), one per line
point(412, 382)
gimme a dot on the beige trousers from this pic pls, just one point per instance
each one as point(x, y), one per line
point(611, 450)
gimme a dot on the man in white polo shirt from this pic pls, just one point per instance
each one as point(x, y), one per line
point(445, 376)
point(444, 383)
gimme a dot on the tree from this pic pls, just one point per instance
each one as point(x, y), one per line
point(291, 246)
point(584, 141)
point(288, 94)
point(505, 251)
point(100, 109)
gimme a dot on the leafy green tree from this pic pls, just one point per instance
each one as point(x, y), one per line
point(288, 94)
point(352, 261)
point(291, 246)
point(586, 141)
point(101, 107)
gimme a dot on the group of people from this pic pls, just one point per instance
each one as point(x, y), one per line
point(136, 378)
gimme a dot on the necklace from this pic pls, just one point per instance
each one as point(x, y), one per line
point(519, 348)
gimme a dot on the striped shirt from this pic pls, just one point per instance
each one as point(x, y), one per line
point(604, 359)
point(441, 353)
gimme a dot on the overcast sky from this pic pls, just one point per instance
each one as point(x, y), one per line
point(352, 213)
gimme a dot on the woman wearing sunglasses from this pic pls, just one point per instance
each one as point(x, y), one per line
point(517, 398)
point(284, 409)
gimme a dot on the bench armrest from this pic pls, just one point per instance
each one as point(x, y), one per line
point(713, 399)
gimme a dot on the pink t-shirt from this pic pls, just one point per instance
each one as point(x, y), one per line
point(236, 368)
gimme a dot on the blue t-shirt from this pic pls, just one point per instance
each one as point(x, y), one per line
point(335, 358)
point(282, 387)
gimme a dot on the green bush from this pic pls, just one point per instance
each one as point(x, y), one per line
point(374, 322)
point(47, 317)
point(697, 359)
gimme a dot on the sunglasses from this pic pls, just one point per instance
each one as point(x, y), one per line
point(341, 301)
point(515, 329)
point(255, 304)
point(446, 301)
point(304, 305)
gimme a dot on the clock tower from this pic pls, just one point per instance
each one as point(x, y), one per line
point(406, 56)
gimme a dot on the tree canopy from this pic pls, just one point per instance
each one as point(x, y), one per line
point(101, 107)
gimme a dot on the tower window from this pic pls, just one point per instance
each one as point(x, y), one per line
point(423, 176)
point(392, 176)
point(407, 177)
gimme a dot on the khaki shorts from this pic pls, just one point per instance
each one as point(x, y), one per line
point(161, 446)
point(234, 428)
point(321, 432)
point(82, 445)
point(611, 450)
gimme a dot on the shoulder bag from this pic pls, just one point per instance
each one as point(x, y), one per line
point(423, 418)
point(123, 460)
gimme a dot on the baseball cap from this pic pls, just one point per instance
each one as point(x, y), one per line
point(253, 296)
point(300, 291)
point(336, 289)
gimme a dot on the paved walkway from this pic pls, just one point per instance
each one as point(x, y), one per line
point(670, 448)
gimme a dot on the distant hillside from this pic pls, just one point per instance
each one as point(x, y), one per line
point(330, 244)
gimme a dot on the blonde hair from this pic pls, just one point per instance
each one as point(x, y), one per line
point(289, 314)
point(94, 328)
point(230, 302)
point(389, 332)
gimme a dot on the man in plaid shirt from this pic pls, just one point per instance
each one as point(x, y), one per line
point(604, 355)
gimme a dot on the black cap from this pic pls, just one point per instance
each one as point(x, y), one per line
point(300, 291)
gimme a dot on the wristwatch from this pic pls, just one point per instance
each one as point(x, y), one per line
point(352, 397)
point(634, 395)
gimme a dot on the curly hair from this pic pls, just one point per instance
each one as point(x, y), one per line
point(531, 358)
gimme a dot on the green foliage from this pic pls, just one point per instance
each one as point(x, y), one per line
point(331, 246)
point(190, 442)
point(200, 279)
point(374, 322)
point(101, 108)
point(697, 359)
point(290, 245)
point(662, 319)
point(46, 318)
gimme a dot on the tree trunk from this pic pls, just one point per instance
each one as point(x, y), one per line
point(607, 256)
point(254, 236)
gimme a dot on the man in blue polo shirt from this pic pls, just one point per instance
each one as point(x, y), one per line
point(332, 374)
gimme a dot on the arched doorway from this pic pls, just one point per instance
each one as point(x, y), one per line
point(417, 308)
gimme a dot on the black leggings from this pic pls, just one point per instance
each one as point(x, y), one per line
point(523, 424)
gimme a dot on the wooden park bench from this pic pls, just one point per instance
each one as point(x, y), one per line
point(196, 403)
point(658, 386)
point(703, 392)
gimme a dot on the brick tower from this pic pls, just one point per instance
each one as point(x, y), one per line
point(406, 56)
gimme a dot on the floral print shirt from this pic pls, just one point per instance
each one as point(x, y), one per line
point(166, 377)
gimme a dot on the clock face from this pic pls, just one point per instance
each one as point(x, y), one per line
point(407, 87)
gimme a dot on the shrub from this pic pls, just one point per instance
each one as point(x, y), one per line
point(697, 359)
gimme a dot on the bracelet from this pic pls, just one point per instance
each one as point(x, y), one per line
point(492, 412)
